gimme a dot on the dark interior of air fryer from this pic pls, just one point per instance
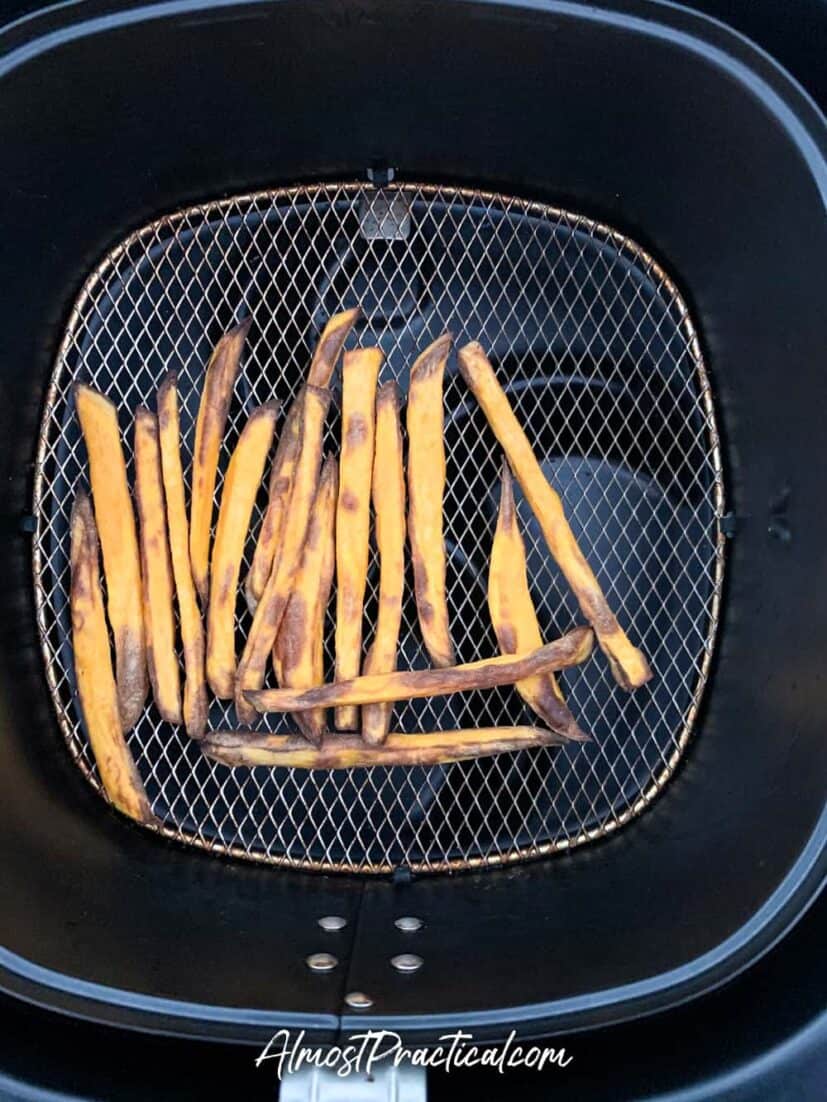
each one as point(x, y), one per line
point(627, 213)
point(599, 356)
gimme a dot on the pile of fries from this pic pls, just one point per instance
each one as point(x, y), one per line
point(317, 525)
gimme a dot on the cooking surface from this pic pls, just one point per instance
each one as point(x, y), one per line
point(602, 366)
point(607, 112)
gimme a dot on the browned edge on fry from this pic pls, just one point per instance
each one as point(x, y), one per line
point(330, 345)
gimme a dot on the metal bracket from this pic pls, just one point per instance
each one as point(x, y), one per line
point(385, 1083)
point(384, 215)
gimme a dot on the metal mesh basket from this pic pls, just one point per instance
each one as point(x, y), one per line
point(601, 361)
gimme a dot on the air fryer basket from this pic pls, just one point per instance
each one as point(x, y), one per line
point(636, 116)
point(604, 369)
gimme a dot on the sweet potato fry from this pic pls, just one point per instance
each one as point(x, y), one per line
point(270, 610)
point(238, 748)
point(192, 629)
point(628, 664)
point(278, 497)
point(569, 650)
point(216, 396)
point(317, 716)
point(241, 486)
point(360, 371)
point(97, 692)
point(388, 491)
point(515, 620)
point(330, 345)
point(426, 486)
point(156, 569)
point(119, 543)
point(321, 370)
point(296, 642)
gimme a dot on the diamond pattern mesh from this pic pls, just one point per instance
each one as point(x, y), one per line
point(601, 362)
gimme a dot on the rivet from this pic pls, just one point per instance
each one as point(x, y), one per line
point(407, 962)
point(358, 1000)
point(321, 962)
point(409, 924)
point(332, 923)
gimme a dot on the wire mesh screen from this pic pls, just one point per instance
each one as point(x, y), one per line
point(600, 359)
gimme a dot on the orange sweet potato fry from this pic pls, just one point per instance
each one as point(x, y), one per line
point(192, 629)
point(514, 617)
point(628, 664)
point(426, 486)
point(241, 487)
point(322, 367)
point(317, 716)
point(119, 543)
point(156, 569)
point(241, 749)
point(97, 692)
point(216, 396)
point(271, 607)
point(330, 346)
point(359, 374)
point(570, 650)
point(278, 498)
point(388, 493)
point(299, 635)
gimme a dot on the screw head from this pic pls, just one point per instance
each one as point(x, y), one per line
point(408, 924)
point(321, 962)
point(358, 1000)
point(332, 923)
point(407, 962)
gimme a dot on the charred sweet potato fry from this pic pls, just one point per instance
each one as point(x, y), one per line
point(360, 371)
point(296, 643)
point(330, 345)
point(192, 629)
point(569, 650)
point(388, 492)
point(238, 497)
point(515, 620)
point(278, 497)
point(238, 748)
point(216, 396)
point(426, 486)
point(97, 692)
point(270, 610)
point(628, 664)
point(156, 569)
point(119, 542)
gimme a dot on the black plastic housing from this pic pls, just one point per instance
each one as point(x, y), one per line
point(656, 121)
